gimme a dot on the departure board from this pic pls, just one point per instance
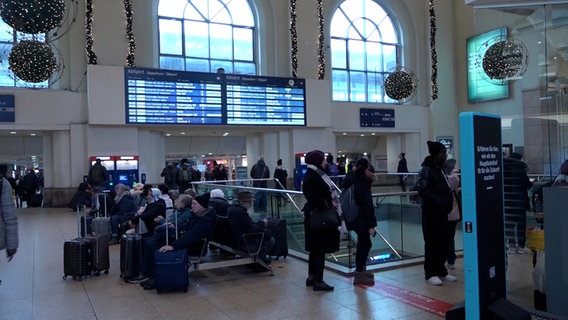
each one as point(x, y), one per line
point(156, 96)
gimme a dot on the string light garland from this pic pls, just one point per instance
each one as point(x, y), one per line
point(433, 53)
point(38, 16)
point(130, 59)
point(505, 59)
point(293, 39)
point(91, 56)
point(32, 61)
point(321, 41)
point(401, 84)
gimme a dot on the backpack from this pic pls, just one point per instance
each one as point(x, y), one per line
point(96, 174)
point(348, 207)
point(185, 175)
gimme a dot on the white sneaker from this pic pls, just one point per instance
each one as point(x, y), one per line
point(449, 278)
point(435, 281)
point(523, 250)
point(450, 266)
point(512, 250)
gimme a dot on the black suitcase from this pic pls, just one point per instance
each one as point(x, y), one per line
point(279, 231)
point(99, 254)
point(130, 255)
point(35, 200)
point(171, 268)
point(77, 255)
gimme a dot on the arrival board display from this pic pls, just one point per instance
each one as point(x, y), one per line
point(177, 97)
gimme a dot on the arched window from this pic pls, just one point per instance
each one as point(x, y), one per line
point(204, 35)
point(8, 38)
point(364, 48)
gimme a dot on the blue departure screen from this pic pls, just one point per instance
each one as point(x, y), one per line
point(177, 97)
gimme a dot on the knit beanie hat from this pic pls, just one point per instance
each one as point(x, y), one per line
point(315, 158)
point(203, 199)
point(217, 193)
point(434, 147)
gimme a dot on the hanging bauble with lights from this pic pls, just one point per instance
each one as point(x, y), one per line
point(32, 16)
point(401, 84)
point(32, 61)
point(505, 60)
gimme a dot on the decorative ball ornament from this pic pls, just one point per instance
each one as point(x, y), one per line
point(32, 16)
point(32, 61)
point(505, 60)
point(401, 84)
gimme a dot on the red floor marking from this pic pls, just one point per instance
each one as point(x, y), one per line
point(430, 305)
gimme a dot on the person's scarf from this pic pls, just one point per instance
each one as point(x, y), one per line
point(334, 195)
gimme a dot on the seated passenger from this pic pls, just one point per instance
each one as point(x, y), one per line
point(242, 223)
point(155, 207)
point(82, 197)
point(124, 209)
point(168, 199)
point(218, 202)
point(183, 213)
point(198, 226)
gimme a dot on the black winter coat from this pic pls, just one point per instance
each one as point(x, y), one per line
point(434, 189)
point(317, 195)
point(366, 218)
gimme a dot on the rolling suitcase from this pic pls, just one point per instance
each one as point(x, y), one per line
point(279, 231)
point(130, 255)
point(101, 224)
point(171, 268)
point(99, 251)
point(77, 255)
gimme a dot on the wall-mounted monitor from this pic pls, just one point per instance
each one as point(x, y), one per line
point(156, 96)
point(480, 87)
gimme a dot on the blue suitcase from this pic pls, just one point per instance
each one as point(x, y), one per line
point(171, 268)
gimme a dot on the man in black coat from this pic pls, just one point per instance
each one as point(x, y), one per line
point(437, 202)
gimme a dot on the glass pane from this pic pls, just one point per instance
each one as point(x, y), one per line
point(356, 55)
point(170, 37)
point(339, 85)
point(241, 13)
point(6, 32)
point(374, 12)
point(338, 54)
point(389, 57)
point(6, 79)
point(357, 86)
point(199, 65)
point(171, 8)
point(388, 32)
point(227, 65)
point(245, 68)
point(374, 87)
point(374, 57)
point(218, 13)
point(199, 7)
point(196, 39)
point(339, 25)
point(364, 27)
point(171, 63)
point(221, 41)
point(243, 44)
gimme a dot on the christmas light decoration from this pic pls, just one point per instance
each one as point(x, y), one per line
point(293, 38)
point(91, 56)
point(32, 16)
point(433, 53)
point(505, 59)
point(401, 84)
point(321, 41)
point(130, 61)
point(32, 61)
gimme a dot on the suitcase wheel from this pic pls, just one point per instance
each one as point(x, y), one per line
point(106, 271)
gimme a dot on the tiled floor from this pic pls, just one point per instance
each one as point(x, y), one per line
point(33, 288)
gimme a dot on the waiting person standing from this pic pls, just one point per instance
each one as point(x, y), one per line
point(320, 193)
point(98, 174)
point(281, 175)
point(516, 184)
point(455, 216)
point(402, 168)
point(365, 222)
point(30, 184)
point(437, 203)
point(170, 174)
point(185, 175)
point(8, 218)
point(259, 172)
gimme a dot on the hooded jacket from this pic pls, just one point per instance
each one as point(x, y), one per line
point(8, 218)
point(433, 188)
point(260, 171)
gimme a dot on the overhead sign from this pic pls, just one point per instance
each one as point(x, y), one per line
point(7, 108)
point(376, 118)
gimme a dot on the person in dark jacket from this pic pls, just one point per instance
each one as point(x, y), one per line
point(170, 174)
point(218, 202)
point(155, 207)
point(198, 226)
point(260, 171)
point(437, 203)
point(124, 209)
point(82, 197)
point(30, 185)
point(320, 194)
point(365, 222)
point(402, 168)
point(98, 174)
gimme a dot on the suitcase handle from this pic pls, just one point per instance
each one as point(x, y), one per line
point(176, 224)
point(79, 220)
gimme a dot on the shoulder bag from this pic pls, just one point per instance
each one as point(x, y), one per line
point(324, 219)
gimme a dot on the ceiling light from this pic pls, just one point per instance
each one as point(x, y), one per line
point(373, 134)
point(362, 135)
point(168, 134)
point(12, 132)
point(225, 134)
point(344, 133)
point(33, 134)
point(182, 133)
